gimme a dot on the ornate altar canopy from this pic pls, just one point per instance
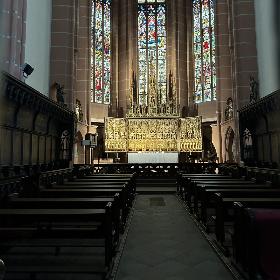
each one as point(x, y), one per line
point(152, 125)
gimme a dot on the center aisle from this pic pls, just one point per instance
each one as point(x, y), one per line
point(164, 243)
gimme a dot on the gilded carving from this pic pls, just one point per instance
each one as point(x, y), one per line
point(115, 135)
point(153, 135)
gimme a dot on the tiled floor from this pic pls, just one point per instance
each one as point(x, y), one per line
point(163, 243)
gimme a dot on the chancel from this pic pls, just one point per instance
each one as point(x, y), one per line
point(139, 139)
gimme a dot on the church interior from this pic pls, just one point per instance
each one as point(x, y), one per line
point(139, 139)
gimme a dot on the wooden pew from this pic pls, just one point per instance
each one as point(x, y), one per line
point(261, 243)
point(50, 227)
point(127, 188)
point(125, 202)
point(56, 176)
point(194, 189)
point(184, 179)
point(241, 191)
point(189, 183)
point(193, 182)
point(225, 203)
point(72, 203)
point(131, 190)
point(8, 186)
point(125, 178)
point(199, 187)
point(110, 177)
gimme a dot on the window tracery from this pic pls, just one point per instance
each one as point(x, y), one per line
point(204, 50)
point(101, 51)
point(151, 47)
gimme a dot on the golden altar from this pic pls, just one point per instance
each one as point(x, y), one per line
point(153, 125)
point(153, 134)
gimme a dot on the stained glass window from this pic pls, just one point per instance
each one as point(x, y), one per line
point(151, 47)
point(204, 50)
point(101, 51)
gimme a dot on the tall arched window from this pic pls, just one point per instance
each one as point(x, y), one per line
point(151, 47)
point(101, 51)
point(204, 50)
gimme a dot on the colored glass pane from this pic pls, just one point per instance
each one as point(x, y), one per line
point(204, 50)
point(101, 51)
point(151, 46)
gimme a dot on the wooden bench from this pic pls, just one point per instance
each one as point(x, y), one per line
point(130, 192)
point(183, 179)
point(72, 203)
point(55, 176)
point(125, 201)
point(188, 182)
point(127, 189)
point(193, 189)
point(245, 192)
point(53, 227)
point(199, 189)
point(125, 178)
point(261, 245)
point(224, 204)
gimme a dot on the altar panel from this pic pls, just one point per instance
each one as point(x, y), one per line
point(158, 157)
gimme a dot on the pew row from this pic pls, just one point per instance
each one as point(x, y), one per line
point(55, 228)
point(256, 240)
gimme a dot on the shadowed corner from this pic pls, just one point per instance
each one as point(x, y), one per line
point(1, 63)
point(2, 270)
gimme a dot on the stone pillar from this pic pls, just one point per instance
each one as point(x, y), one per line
point(123, 65)
point(267, 29)
point(224, 72)
point(82, 63)
point(179, 48)
point(62, 68)
point(12, 39)
point(244, 57)
point(115, 51)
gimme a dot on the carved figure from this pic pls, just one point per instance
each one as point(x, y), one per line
point(59, 93)
point(254, 89)
point(229, 110)
point(79, 110)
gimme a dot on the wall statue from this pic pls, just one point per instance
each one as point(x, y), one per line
point(229, 109)
point(254, 89)
point(60, 94)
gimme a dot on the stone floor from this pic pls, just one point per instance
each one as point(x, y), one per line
point(164, 243)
